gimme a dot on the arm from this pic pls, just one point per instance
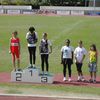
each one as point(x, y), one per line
point(39, 49)
point(50, 49)
point(36, 40)
point(50, 44)
point(84, 54)
point(27, 37)
point(83, 58)
point(10, 46)
point(61, 57)
point(72, 56)
point(19, 47)
point(96, 57)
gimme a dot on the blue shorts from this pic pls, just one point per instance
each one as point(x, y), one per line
point(92, 67)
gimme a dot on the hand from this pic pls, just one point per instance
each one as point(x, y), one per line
point(72, 61)
point(50, 52)
point(61, 61)
point(9, 52)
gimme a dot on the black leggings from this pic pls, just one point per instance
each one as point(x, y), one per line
point(32, 54)
point(65, 63)
point(44, 59)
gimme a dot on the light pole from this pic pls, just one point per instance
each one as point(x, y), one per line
point(94, 3)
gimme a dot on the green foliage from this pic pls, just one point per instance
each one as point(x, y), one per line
point(41, 2)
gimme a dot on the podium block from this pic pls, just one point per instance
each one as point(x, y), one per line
point(46, 78)
point(32, 75)
point(16, 76)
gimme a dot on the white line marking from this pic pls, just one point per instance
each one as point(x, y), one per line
point(48, 96)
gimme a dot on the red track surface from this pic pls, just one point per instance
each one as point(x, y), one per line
point(23, 98)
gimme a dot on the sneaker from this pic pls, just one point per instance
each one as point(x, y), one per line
point(30, 67)
point(19, 69)
point(91, 80)
point(69, 79)
point(64, 79)
point(34, 66)
point(82, 79)
point(94, 81)
point(42, 73)
point(79, 79)
point(46, 73)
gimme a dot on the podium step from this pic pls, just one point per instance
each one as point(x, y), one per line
point(32, 75)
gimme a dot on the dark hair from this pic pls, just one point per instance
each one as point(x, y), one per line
point(67, 41)
point(15, 32)
point(31, 29)
point(44, 34)
point(80, 41)
point(94, 47)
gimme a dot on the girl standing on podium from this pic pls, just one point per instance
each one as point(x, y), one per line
point(45, 49)
point(14, 49)
point(32, 39)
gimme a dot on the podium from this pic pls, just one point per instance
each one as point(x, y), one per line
point(32, 75)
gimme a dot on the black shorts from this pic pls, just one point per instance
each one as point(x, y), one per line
point(79, 67)
point(67, 61)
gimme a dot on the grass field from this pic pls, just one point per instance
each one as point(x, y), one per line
point(58, 28)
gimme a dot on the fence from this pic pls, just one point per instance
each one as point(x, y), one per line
point(16, 10)
point(71, 10)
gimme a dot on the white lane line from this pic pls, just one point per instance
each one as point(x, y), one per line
point(53, 96)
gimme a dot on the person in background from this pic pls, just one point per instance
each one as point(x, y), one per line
point(93, 59)
point(32, 39)
point(14, 49)
point(45, 49)
point(80, 53)
point(67, 58)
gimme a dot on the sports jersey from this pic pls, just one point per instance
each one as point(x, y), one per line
point(14, 45)
point(79, 53)
point(44, 46)
point(31, 39)
point(92, 56)
point(67, 51)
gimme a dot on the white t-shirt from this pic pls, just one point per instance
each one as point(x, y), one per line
point(79, 53)
point(42, 45)
point(67, 51)
point(28, 36)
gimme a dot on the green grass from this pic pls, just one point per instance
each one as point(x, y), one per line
point(63, 89)
point(58, 29)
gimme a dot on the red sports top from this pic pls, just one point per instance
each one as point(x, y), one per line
point(14, 45)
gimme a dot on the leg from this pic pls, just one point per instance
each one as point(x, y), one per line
point(64, 68)
point(46, 61)
point(18, 59)
point(34, 55)
point(30, 54)
point(77, 66)
point(42, 62)
point(13, 61)
point(94, 76)
point(69, 67)
point(91, 75)
point(80, 69)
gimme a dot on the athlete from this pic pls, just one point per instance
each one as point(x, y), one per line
point(14, 49)
point(93, 60)
point(67, 59)
point(32, 39)
point(80, 53)
point(45, 49)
